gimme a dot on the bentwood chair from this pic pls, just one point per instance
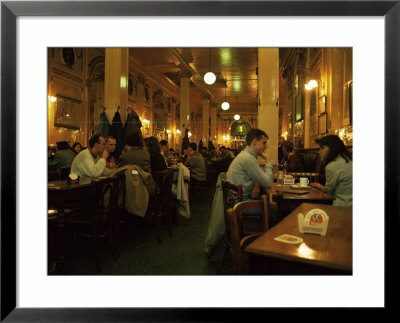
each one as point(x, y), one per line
point(97, 220)
point(163, 202)
point(232, 194)
point(236, 238)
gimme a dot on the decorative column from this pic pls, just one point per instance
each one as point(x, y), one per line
point(140, 97)
point(213, 125)
point(205, 134)
point(268, 92)
point(185, 76)
point(174, 126)
point(116, 81)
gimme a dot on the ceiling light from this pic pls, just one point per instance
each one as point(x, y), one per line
point(236, 117)
point(225, 105)
point(209, 77)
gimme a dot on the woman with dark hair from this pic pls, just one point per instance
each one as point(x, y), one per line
point(77, 148)
point(157, 160)
point(338, 170)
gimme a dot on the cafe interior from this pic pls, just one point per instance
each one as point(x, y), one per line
point(211, 97)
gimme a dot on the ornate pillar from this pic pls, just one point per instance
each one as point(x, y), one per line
point(116, 80)
point(140, 97)
point(205, 133)
point(268, 92)
point(213, 125)
point(185, 76)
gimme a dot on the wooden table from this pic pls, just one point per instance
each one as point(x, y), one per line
point(287, 202)
point(63, 195)
point(316, 255)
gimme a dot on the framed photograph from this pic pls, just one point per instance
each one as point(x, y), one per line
point(322, 104)
point(322, 124)
point(299, 107)
point(14, 194)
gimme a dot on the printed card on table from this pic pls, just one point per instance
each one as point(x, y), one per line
point(288, 238)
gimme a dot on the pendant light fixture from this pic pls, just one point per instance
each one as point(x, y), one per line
point(236, 116)
point(209, 77)
point(225, 104)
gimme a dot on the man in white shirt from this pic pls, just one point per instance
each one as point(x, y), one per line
point(88, 163)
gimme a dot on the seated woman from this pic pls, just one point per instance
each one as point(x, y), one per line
point(338, 170)
point(157, 160)
point(77, 148)
point(294, 163)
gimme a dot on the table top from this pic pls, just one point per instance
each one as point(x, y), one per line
point(313, 193)
point(63, 185)
point(332, 251)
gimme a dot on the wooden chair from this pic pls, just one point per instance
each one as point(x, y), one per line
point(162, 203)
point(232, 194)
point(201, 186)
point(236, 237)
point(97, 221)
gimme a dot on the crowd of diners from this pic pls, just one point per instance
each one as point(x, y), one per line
point(153, 156)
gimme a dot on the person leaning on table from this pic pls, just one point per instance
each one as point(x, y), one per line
point(245, 170)
point(338, 170)
point(88, 163)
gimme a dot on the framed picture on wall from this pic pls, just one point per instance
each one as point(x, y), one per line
point(299, 107)
point(322, 104)
point(68, 113)
point(322, 124)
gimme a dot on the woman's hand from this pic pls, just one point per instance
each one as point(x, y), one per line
point(318, 186)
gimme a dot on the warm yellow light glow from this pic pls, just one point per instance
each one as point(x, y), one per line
point(189, 134)
point(237, 85)
point(236, 117)
point(52, 98)
point(285, 134)
point(305, 251)
point(123, 82)
point(178, 131)
point(311, 85)
point(226, 55)
point(227, 137)
point(209, 78)
point(225, 106)
point(168, 131)
point(145, 121)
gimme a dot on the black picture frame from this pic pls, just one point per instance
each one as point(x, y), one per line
point(10, 10)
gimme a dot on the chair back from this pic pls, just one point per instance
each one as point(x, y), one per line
point(235, 236)
point(232, 193)
point(64, 173)
point(104, 196)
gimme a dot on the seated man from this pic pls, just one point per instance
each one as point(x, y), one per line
point(111, 161)
point(294, 163)
point(195, 162)
point(135, 154)
point(245, 169)
point(88, 163)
